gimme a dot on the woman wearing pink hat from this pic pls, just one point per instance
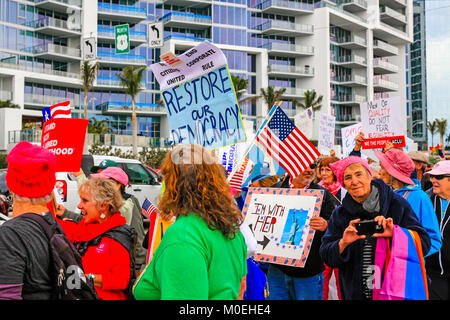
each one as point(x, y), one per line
point(396, 169)
point(438, 264)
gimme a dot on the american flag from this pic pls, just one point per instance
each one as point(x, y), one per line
point(60, 110)
point(286, 144)
point(236, 180)
point(148, 208)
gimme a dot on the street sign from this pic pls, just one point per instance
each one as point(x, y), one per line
point(89, 49)
point(122, 38)
point(155, 35)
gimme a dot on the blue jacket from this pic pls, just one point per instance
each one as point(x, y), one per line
point(392, 205)
point(422, 206)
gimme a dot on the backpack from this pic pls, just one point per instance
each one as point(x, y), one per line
point(127, 237)
point(68, 277)
point(256, 282)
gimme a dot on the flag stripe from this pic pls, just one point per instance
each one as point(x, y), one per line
point(309, 155)
point(61, 110)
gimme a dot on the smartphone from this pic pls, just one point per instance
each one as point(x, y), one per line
point(368, 227)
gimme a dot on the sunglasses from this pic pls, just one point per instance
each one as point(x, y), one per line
point(441, 176)
point(313, 166)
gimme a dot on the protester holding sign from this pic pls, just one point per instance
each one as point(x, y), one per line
point(203, 254)
point(342, 247)
point(293, 283)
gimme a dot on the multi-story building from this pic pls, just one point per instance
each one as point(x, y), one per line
point(416, 79)
point(349, 51)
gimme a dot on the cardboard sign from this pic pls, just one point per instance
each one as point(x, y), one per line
point(157, 229)
point(64, 137)
point(380, 119)
point(200, 99)
point(279, 219)
point(326, 133)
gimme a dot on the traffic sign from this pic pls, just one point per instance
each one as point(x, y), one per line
point(155, 35)
point(89, 48)
point(122, 38)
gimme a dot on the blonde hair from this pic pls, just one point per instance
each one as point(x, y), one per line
point(103, 191)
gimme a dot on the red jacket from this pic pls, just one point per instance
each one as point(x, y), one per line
point(109, 258)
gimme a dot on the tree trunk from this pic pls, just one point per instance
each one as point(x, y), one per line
point(85, 104)
point(134, 127)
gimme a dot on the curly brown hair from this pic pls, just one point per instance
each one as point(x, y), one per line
point(195, 182)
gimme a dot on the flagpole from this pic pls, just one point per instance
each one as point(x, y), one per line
point(275, 106)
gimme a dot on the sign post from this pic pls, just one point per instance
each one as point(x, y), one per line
point(122, 38)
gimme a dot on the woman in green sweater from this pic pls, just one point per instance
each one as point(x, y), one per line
point(203, 254)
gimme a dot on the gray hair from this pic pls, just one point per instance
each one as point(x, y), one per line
point(41, 200)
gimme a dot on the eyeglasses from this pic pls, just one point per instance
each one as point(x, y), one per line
point(441, 176)
point(313, 166)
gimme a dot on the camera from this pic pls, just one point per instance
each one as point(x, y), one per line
point(368, 227)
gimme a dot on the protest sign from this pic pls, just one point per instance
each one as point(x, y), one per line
point(157, 228)
point(326, 133)
point(279, 219)
point(64, 137)
point(382, 121)
point(348, 135)
point(303, 120)
point(200, 98)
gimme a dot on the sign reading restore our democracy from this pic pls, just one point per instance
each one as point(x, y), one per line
point(200, 98)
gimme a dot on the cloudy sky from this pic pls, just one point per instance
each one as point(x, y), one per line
point(438, 60)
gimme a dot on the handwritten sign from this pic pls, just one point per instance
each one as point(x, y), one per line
point(326, 132)
point(348, 137)
point(64, 137)
point(303, 120)
point(200, 98)
point(279, 219)
point(382, 119)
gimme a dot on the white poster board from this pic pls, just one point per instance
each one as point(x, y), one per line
point(326, 133)
point(303, 120)
point(279, 219)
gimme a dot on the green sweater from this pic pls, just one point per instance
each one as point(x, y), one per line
point(194, 262)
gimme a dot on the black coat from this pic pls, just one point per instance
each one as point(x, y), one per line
point(349, 262)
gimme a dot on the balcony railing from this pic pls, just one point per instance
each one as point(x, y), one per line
point(5, 95)
point(186, 37)
point(121, 9)
point(186, 17)
point(350, 39)
point(39, 69)
point(353, 58)
point(50, 22)
point(392, 13)
point(291, 69)
point(385, 83)
point(378, 44)
point(52, 48)
point(287, 25)
point(293, 5)
point(275, 46)
point(30, 135)
point(122, 58)
point(350, 79)
point(76, 3)
point(45, 100)
point(385, 65)
point(349, 98)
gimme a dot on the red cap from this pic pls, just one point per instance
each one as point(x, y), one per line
point(31, 170)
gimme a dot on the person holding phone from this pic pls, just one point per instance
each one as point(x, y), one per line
point(366, 199)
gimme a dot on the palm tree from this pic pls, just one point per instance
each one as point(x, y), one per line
point(240, 86)
point(88, 75)
point(311, 101)
point(131, 81)
point(99, 127)
point(271, 96)
point(432, 127)
point(441, 128)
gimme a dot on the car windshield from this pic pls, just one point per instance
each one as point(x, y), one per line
point(139, 175)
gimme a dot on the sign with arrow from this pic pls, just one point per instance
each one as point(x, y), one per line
point(155, 35)
point(279, 220)
point(89, 49)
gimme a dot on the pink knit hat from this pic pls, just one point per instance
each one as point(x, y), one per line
point(31, 170)
point(397, 163)
point(114, 173)
point(339, 167)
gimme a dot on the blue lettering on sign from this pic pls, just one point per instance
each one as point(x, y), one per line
point(205, 111)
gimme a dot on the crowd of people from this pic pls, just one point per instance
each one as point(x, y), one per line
point(208, 252)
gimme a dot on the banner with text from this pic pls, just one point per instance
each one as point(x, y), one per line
point(382, 121)
point(200, 98)
point(64, 137)
point(279, 219)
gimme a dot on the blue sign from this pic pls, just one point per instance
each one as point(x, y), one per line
point(46, 114)
point(205, 111)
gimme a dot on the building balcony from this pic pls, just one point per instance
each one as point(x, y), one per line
point(383, 67)
point(106, 34)
point(5, 95)
point(36, 72)
point(186, 20)
point(55, 27)
point(189, 3)
point(381, 85)
point(273, 27)
point(288, 50)
point(351, 42)
point(349, 80)
point(110, 83)
point(289, 71)
point(117, 107)
point(383, 49)
point(40, 101)
point(347, 118)
point(58, 5)
point(55, 52)
point(121, 60)
point(392, 17)
point(292, 93)
point(348, 99)
point(354, 5)
point(394, 4)
point(350, 61)
point(285, 7)
point(122, 13)
point(31, 135)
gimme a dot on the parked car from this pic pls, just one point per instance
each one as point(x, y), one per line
point(143, 181)
point(6, 202)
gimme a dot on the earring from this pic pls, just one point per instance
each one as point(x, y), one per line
point(102, 216)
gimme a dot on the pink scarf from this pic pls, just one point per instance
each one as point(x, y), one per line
point(334, 188)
